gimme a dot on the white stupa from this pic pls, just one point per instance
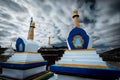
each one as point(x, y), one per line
point(26, 63)
point(81, 58)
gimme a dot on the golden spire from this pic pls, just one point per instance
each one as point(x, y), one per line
point(31, 30)
point(48, 40)
point(75, 17)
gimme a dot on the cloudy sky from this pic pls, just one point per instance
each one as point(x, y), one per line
point(100, 18)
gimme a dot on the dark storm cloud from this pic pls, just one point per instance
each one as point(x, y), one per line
point(12, 6)
point(14, 39)
point(92, 4)
point(61, 39)
point(4, 33)
point(116, 25)
point(115, 7)
point(59, 44)
point(60, 11)
point(20, 19)
point(115, 29)
point(47, 9)
point(39, 2)
point(87, 11)
point(103, 20)
point(101, 46)
point(86, 20)
point(54, 18)
point(5, 16)
point(80, 3)
point(112, 28)
point(9, 24)
point(111, 33)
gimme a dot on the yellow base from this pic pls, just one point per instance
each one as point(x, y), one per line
point(27, 53)
point(26, 62)
point(84, 65)
point(49, 74)
point(89, 49)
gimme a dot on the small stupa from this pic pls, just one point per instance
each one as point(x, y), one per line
point(81, 58)
point(10, 51)
point(26, 63)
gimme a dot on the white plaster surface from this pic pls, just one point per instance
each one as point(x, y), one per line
point(25, 57)
point(31, 45)
point(68, 77)
point(81, 57)
point(22, 73)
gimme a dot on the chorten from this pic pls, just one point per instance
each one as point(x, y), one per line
point(81, 58)
point(26, 63)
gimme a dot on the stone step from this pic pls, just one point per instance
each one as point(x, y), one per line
point(21, 74)
point(23, 57)
point(82, 62)
point(79, 54)
point(81, 59)
point(81, 51)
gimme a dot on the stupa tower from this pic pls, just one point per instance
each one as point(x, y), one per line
point(31, 30)
point(26, 63)
point(76, 18)
point(80, 59)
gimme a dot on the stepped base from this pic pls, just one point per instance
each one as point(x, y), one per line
point(22, 71)
point(23, 65)
point(25, 57)
point(84, 62)
point(93, 72)
point(70, 77)
point(82, 57)
point(39, 76)
point(84, 65)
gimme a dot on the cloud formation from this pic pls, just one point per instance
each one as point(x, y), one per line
point(100, 18)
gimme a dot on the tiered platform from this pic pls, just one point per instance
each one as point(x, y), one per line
point(22, 66)
point(84, 62)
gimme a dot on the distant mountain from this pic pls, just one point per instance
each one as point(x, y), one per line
point(112, 55)
point(2, 50)
point(5, 53)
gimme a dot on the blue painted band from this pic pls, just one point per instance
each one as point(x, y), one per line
point(18, 42)
point(110, 73)
point(22, 66)
point(78, 31)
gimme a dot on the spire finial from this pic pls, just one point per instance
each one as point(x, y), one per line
point(31, 29)
point(75, 17)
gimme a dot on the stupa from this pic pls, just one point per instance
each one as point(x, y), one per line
point(26, 63)
point(81, 58)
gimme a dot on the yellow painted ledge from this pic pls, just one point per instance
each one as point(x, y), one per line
point(43, 76)
point(89, 49)
point(27, 53)
point(84, 65)
point(25, 62)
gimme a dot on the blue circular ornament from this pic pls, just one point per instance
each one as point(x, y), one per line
point(78, 41)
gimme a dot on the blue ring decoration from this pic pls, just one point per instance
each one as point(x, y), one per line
point(18, 41)
point(78, 31)
point(97, 72)
point(22, 66)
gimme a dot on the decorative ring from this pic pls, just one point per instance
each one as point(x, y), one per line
point(18, 41)
point(78, 31)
